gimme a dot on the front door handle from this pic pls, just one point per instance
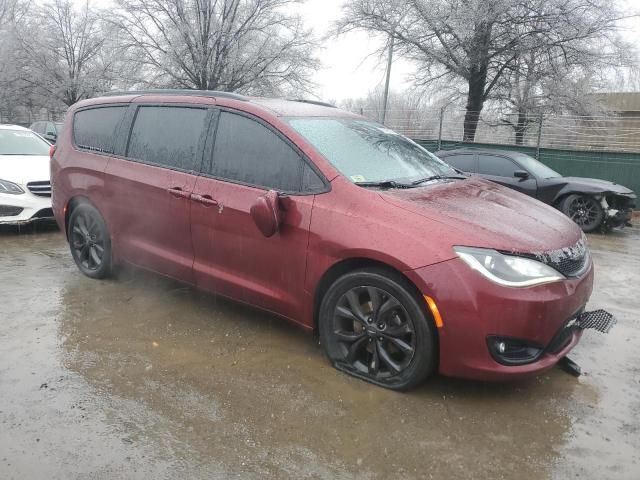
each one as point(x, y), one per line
point(205, 200)
point(178, 192)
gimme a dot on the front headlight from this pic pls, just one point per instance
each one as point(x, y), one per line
point(508, 270)
point(10, 187)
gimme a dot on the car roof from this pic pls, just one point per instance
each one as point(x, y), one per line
point(277, 106)
point(6, 126)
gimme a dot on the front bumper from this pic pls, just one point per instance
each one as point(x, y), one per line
point(473, 309)
point(24, 208)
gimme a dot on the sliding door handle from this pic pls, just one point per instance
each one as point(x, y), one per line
point(205, 200)
point(178, 192)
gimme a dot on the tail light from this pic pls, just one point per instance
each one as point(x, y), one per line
point(52, 150)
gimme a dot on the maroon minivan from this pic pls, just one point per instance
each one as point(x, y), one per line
point(402, 265)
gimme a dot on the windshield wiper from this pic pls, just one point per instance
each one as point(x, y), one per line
point(396, 184)
point(384, 184)
point(436, 177)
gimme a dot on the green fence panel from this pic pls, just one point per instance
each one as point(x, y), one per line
point(620, 167)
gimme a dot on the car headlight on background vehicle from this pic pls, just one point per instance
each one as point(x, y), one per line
point(508, 270)
point(10, 187)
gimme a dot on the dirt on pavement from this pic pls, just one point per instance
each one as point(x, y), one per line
point(142, 377)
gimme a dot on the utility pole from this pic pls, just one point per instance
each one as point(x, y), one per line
point(386, 83)
point(539, 137)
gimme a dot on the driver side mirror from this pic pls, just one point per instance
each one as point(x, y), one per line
point(266, 213)
point(521, 174)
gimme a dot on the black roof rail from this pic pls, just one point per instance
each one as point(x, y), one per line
point(176, 91)
point(313, 102)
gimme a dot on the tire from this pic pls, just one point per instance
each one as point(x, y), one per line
point(89, 241)
point(373, 327)
point(585, 210)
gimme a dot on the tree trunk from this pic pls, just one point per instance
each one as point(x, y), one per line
point(475, 102)
point(521, 127)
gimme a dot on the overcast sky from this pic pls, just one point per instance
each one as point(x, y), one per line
point(346, 71)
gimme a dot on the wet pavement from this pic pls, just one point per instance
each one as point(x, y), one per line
point(141, 377)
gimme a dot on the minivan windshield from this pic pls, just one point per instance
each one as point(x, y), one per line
point(369, 153)
point(22, 142)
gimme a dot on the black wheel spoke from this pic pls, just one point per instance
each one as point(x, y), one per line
point(375, 297)
point(354, 305)
point(388, 306)
point(87, 241)
point(401, 344)
point(374, 364)
point(354, 349)
point(84, 252)
point(372, 333)
point(82, 225)
point(398, 330)
point(348, 337)
point(386, 358)
point(348, 314)
point(94, 255)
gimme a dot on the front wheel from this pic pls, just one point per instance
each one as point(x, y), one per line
point(372, 327)
point(89, 241)
point(585, 210)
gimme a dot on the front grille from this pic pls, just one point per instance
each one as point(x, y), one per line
point(569, 261)
point(42, 189)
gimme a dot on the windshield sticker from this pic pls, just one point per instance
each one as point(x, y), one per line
point(357, 178)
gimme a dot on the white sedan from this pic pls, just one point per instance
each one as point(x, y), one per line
point(25, 186)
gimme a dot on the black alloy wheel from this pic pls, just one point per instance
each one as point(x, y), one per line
point(584, 210)
point(372, 327)
point(89, 241)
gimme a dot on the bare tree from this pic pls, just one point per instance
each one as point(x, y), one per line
point(480, 41)
point(6, 11)
point(249, 46)
point(66, 52)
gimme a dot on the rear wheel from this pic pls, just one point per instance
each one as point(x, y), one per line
point(372, 327)
point(89, 241)
point(585, 210)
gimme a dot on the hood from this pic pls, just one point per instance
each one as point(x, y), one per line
point(22, 169)
point(485, 214)
point(594, 185)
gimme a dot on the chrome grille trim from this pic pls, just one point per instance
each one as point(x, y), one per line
point(570, 261)
point(41, 189)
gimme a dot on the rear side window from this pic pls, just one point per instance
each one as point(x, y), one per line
point(95, 129)
point(167, 136)
point(496, 166)
point(248, 152)
point(465, 163)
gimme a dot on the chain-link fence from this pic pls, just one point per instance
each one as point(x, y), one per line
point(602, 146)
point(610, 133)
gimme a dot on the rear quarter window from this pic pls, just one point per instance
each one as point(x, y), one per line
point(95, 129)
point(167, 136)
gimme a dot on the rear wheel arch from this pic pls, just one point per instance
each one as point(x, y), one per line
point(71, 205)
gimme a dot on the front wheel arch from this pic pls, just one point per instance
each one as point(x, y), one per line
point(418, 321)
point(342, 267)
